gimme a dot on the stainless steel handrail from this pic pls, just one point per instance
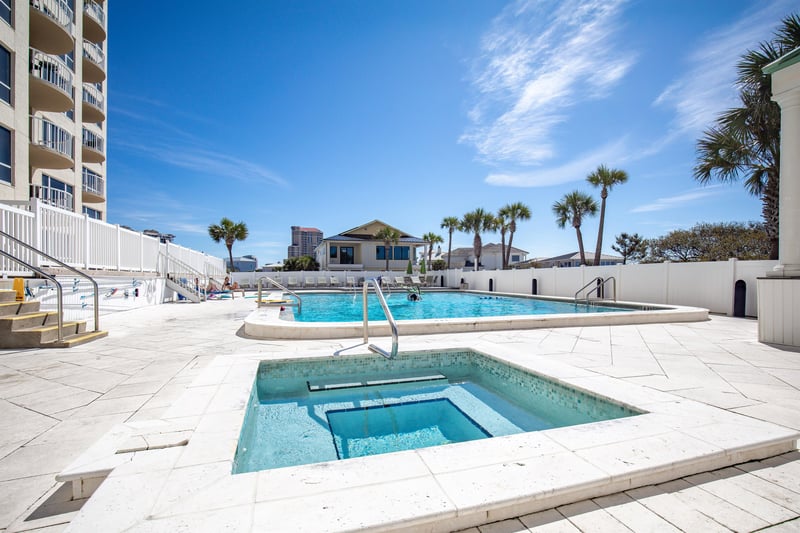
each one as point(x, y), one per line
point(389, 317)
point(290, 291)
point(60, 302)
point(597, 287)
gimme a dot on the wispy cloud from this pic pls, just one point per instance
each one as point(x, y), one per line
point(538, 59)
point(672, 202)
point(707, 86)
point(574, 170)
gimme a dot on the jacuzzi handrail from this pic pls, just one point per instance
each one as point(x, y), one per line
point(389, 317)
point(290, 291)
point(597, 287)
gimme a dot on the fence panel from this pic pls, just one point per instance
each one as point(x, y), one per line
point(130, 256)
point(22, 225)
point(63, 236)
point(104, 246)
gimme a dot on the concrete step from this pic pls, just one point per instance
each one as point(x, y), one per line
point(19, 308)
point(40, 336)
point(77, 339)
point(19, 322)
point(7, 295)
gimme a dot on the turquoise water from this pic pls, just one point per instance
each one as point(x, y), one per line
point(324, 307)
point(297, 415)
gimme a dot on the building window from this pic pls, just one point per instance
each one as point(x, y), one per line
point(56, 193)
point(5, 75)
point(93, 213)
point(515, 258)
point(5, 155)
point(346, 255)
point(401, 252)
point(333, 252)
point(5, 10)
point(380, 252)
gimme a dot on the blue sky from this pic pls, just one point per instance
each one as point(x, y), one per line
point(333, 113)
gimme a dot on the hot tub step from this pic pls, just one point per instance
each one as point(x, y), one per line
point(327, 385)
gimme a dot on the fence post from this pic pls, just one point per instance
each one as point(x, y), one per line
point(731, 284)
point(86, 241)
point(666, 282)
point(119, 248)
point(141, 252)
point(36, 207)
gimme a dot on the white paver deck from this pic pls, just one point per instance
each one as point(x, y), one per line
point(54, 404)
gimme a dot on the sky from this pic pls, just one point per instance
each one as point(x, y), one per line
point(330, 114)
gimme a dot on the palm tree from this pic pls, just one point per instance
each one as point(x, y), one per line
point(514, 212)
point(745, 141)
point(501, 224)
point(389, 236)
point(476, 222)
point(606, 178)
point(452, 224)
point(572, 208)
point(431, 238)
point(229, 232)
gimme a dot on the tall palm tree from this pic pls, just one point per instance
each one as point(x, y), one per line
point(515, 211)
point(606, 178)
point(501, 224)
point(745, 141)
point(229, 232)
point(389, 236)
point(452, 224)
point(476, 222)
point(572, 208)
point(430, 239)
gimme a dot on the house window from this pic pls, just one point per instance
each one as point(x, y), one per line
point(401, 252)
point(515, 258)
point(333, 252)
point(5, 75)
point(346, 255)
point(93, 213)
point(5, 155)
point(380, 252)
point(5, 10)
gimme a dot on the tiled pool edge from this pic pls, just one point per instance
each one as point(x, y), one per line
point(438, 489)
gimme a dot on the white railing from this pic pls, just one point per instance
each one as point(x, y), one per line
point(92, 140)
point(93, 182)
point(84, 242)
point(21, 224)
point(55, 197)
point(45, 133)
point(94, 54)
point(58, 10)
point(93, 96)
point(51, 69)
point(94, 10)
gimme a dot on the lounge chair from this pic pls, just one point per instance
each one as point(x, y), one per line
point(322, 281)
point(416, 281)
point(334, 281)
point(350, 281)
point(309, 282)
point(400, 281)
point(292, 283)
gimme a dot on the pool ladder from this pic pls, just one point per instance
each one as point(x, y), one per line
point(389, 317)
point(598, 289)
point(268, 279)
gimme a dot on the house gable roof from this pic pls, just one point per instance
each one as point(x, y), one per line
point(366, 232)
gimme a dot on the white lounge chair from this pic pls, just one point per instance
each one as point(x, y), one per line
point(416, 281)
point(400, 281)
point(350, 281)
point(292, 283)
point(322, 281)
point(309, 282)
point(334, 281)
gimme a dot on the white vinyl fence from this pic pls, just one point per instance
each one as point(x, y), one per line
point(86, 243)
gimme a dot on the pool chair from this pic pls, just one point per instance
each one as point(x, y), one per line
point(417, 282)
point(309, 282)
point(400, 281)
point(322, 281)
point(292, 283)
point(350, 281)
point(334, 281)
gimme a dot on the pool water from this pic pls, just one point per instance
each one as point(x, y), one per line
point(349, 307)
point(303, 412)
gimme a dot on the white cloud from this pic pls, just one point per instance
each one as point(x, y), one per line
point(672, 202)
point(576, 169)
point(707, 87)
point(540, 58)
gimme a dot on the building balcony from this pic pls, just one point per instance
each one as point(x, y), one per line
point(51, 26)
point(94, 21)
point(93, 101)
point(54, 197)
point(51, 83)
point(94, 63)
point(51, 145)
point(94, 187)
point(92, 147)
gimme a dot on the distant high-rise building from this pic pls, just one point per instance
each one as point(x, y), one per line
point(53, 103)
point(304, 241)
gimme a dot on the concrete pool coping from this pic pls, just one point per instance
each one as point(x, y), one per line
point(434, 489)
point(265, 322)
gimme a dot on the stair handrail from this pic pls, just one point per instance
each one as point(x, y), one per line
point(597, 287)
point(59, 291)
point(290, 291)
point(188, 269)
point(389, 317)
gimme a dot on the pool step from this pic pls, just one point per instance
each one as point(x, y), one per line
point(327, 385)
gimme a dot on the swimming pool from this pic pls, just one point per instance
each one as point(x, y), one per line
point(339, 307)
point(331, 409)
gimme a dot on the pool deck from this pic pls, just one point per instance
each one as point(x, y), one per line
point(54, 404)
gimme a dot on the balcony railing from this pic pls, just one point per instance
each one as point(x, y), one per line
point(56, 92)
point(46, 134)
point(93, 183)
point(58, 10)
point(95, 27)
point(92, 140)
point(93, 100)
point(94, 53)
point(55, 197)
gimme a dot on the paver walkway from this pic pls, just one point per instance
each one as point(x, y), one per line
point(55, 403)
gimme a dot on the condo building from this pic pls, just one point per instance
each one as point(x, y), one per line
point(52, 104)
point(304, 241)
